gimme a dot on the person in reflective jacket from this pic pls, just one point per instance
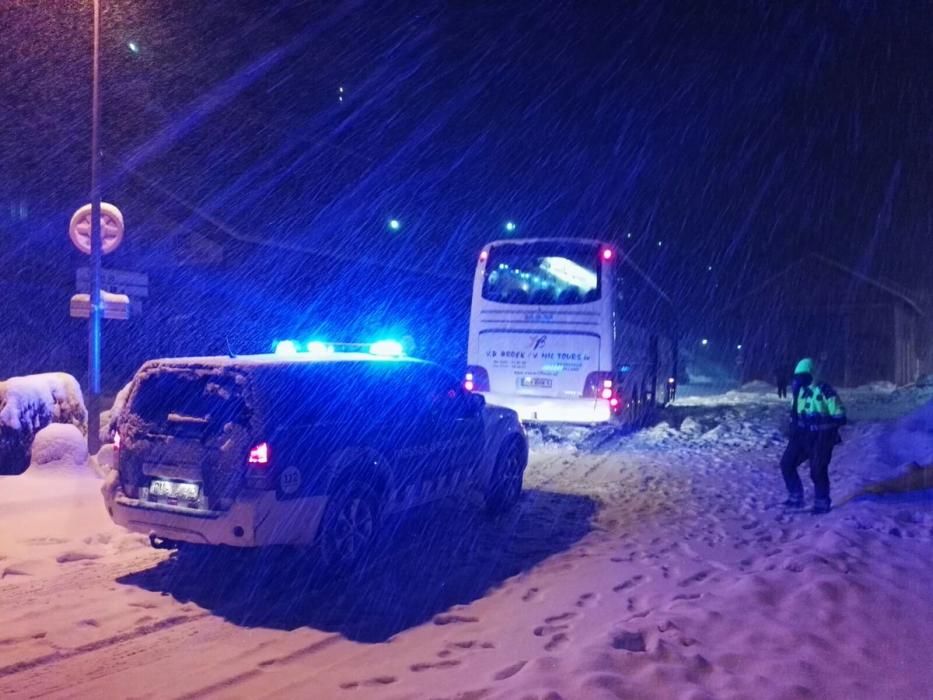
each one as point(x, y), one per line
point(817, 414)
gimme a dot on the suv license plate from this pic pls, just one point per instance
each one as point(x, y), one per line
point(179, 490)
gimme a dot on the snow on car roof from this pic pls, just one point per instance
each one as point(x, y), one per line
point(271, 360)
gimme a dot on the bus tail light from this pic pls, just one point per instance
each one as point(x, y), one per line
point(598, 385)
point(476, 378)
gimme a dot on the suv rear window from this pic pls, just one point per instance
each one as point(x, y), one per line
point(186, 396)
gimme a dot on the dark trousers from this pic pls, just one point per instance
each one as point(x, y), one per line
point(782, 390)
point(815, 446)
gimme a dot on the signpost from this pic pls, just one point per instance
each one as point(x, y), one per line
point(96, 229)
point(135, 285)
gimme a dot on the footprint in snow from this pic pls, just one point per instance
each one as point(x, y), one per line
point(587, 600)
point(545, 630)
point(532, 594)
point(560, 618)
point(14, 571)
point(509, 671)
point(75, 556)
point(377, 681)
point(556, 642)
point(434, 665)
point(453, 619)
point(629, 583)
point(698, 577)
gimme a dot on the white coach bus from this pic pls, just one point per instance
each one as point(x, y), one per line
point(566, 330)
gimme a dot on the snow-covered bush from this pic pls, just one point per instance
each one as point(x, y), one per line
point(59, 443)
point(28, 404)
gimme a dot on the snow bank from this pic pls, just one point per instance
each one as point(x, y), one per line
point(758, 387)
point(910, 439)
point(59, 443)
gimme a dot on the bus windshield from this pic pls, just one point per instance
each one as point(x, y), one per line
point(543, 273)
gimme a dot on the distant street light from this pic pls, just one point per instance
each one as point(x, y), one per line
point(394, 224)
point(704, 342)
point(510, 226)
point(132, 46)
point(738, 347)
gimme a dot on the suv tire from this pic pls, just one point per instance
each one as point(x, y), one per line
point(505, 487)
point(350, 526)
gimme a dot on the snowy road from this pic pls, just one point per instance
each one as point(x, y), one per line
point(651, 565)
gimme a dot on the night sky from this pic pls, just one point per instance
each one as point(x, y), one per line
point(738, 134)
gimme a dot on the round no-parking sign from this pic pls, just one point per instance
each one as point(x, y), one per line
point(111, 228)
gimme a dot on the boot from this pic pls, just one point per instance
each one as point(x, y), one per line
point(794, 500)
point(821, 506)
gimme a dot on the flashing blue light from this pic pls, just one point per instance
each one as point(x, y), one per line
point(510, 226)
point(286, 347)
point(317, 347)
point(394, 224)
point(387, 348)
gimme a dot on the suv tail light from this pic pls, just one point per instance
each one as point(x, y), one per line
point(116, 441)
point(259, 475)
point(476, 379)
point(259, 455)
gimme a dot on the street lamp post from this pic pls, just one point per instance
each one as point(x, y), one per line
point(94, 322)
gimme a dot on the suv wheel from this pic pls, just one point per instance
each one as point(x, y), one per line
point(506, 486)
point(351, 523)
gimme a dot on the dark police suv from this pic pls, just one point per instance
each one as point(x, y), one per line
point(310, 448)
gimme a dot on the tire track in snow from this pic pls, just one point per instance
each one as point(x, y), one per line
point(98, 645)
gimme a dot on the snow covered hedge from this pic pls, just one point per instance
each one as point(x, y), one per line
point(28, 404)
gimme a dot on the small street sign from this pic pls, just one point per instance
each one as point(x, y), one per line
point(116, 306)
point(133, 284)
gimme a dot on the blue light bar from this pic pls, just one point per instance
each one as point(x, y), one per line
point(387, 348)
point(318, 347)
point(286, 347)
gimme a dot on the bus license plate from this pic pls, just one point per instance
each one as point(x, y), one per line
point(536, 382)
point(176, 490)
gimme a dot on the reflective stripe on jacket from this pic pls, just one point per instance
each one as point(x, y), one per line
point(819, 407)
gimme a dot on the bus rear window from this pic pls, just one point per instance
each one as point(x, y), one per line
point(545, 274)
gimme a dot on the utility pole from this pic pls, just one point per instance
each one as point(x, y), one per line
point(94, 321)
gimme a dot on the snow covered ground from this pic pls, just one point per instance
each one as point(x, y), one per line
point(656, 564)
